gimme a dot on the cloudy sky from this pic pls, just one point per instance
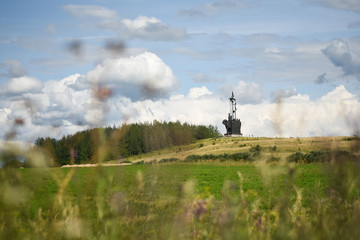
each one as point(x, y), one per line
point(294, 65)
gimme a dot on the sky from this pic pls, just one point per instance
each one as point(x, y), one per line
point(293, 65)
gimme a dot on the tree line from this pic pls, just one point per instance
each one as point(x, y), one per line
point(109, 143)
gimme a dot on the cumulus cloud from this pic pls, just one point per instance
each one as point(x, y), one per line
point(284, 93)
point(245, 92)
point(299, 115)
point(198, 92)
point(142, 27)
point(141, 76)
point(21, 85)
point(59, 107)
point(63, 107)
point(13, 68)
point(341, 55)
point(90, 11)
point(199, 106)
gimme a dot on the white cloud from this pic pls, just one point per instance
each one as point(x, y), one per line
point(92, 11)
point(245, 92)
point(4, 116)
point(342, 55)
point(144, 27)
point(198, 92)
point(21, 85)
point(297, 115)
point(14, 68)
point(143, 75)
point(284, 93)
point(61, 107)
point(335, 113)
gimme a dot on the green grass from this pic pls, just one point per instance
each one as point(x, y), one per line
point(168, 178)
point(136, 197)
point(206, 199)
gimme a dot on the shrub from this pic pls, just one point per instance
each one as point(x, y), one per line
point(296, 157)
point(139, 163)
point(192, 158)
point(241, 156)
point(255, 152)
point(209, 157)
point(316, 156)
point(273, 159)
point(257, 148)
point(273, 148)
point(151, 162)
point(167, 160)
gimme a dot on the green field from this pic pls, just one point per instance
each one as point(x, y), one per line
point(218, 198)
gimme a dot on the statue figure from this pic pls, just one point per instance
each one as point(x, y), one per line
point(232, 124)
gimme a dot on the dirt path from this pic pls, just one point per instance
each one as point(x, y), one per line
point(95, 165)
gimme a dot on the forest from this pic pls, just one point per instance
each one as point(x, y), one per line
point(120, 142)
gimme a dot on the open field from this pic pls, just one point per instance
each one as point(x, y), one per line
point(207, 199)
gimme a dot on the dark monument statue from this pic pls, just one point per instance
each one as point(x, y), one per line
point(232, 124)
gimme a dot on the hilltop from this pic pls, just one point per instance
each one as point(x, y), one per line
point(276, 148)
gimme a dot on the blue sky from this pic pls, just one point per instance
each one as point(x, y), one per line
point(173, 61)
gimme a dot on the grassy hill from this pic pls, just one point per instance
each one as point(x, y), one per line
point(279, 148)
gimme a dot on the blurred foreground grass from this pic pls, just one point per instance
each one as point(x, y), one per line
point(182, 201)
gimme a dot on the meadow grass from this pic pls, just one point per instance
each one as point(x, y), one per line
point(206, 199)
point(145, 201)
point(284, 147)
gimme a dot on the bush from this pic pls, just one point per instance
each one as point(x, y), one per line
point(151, 162)
point(257, 149)
point(139, 163)
point(255, 152)
point(273, 148)
point(273, 159)
point(167, 160)
point(322, 156)
point(241, 156)
point(192, 158)
point(316, 156)
point(209, 157)
point(296, 157)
